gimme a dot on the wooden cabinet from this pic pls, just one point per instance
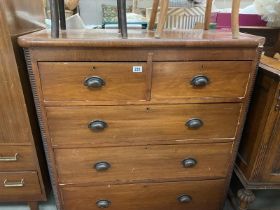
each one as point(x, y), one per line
point(23, 170)
point(141, 123)
point(258, 162)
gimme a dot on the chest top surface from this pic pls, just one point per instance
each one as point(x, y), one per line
point(140, 38)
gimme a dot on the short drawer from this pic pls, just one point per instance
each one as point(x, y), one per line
point(132, 164)
point(194, 195)
point(140, 125)
point(19, 186)
point(221, 79)
point(16, 158)
point(83, 81)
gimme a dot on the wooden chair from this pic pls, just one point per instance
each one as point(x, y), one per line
point(164, 10)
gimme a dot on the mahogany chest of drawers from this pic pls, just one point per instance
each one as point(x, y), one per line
point(141, 123)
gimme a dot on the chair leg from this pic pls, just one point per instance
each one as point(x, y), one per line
point(235, 19)
point(162, 17)
point(153, 15)
point(54, 19)
point(208, 11)
point(119, 15)
point(123, 19)
point(33, 205)
point(62, 14)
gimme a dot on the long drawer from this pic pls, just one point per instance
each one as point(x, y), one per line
point(217, 79)
point(134, 164)
point(139, 125)
point(16, 158)
point(194, 195)
point(19, 186)
point(81, 81)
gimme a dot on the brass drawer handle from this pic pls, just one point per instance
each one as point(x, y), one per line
point(97, 125)
point(103, 204)
point(194, 123)
point(102, 166)
point(184, 199)
point(9, 159)
point(189, 163)
point(94, 82)
point(8, 184)
point(200, 81)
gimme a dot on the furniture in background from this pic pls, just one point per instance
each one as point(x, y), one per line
point(141, 123)
point(258, 160)
point(164, 12)
point(272, 36)
point(23, 169)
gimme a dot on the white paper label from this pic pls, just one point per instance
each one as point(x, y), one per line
point(137, 69)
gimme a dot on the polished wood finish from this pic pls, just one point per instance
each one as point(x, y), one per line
point(155, 196)
point(138, 133)
point(17, 158)
point(21, 153)
point(166, 84)
point(142, 164)
point(162, 17)
point(73, 75)
point(24, 186)
point(257, 165)
point(138, 125)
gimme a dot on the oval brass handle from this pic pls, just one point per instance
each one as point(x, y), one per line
point(97, 125)
point(189, 162)
point(8, 184)
point(94, 82)
point(200, 81)
point(194, 123)
point(103, 204)
point(184, 199)
point(102, 166)
point(9, 159)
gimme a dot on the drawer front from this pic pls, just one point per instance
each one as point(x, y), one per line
point(83, 81)
point(19, 186)
point(197, 195)
point(227, 79)
point(132, 164)
point(139, 125)
point(16, 158)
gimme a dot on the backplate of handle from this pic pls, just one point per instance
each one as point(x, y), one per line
point(103, 204)
point(184, 198)
point(189, 162)
point(11, 184)
point(97, 125)
point(9, 158)
point(194, 123)
point(94, 82)
point(200, 81)
point(102, 166)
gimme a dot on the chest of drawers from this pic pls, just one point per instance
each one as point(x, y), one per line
point(23, 169)
point(141, 124)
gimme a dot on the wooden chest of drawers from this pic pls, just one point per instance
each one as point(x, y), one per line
point(23, 169)
point(141, 124)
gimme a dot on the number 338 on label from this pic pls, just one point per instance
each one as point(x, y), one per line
point(137, 69)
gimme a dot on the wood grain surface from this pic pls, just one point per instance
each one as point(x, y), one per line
point(226, 79)
point(142, 163)
point(157, 196)
point(141, 125)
